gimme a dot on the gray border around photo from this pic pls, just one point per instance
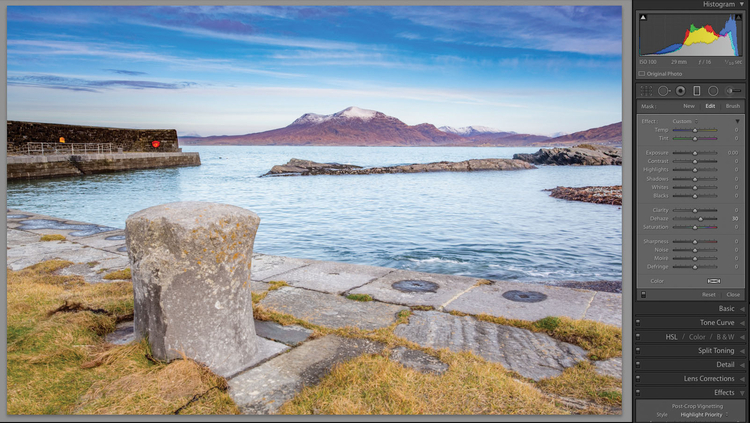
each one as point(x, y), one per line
point(626, 209)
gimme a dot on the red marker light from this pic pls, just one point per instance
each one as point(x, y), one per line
point(156, 144)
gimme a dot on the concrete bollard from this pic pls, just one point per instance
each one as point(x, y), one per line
point(190, 264)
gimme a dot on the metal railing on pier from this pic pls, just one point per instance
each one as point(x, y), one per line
point(61, 148)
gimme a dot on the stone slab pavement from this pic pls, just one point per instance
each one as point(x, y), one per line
point(533, 355)
point(289, 335)
point(265, 267)
point(332, 311)
point(332, 277)
point(493, 300)
point(85, 244)
point(606, 308)
point(426, 289)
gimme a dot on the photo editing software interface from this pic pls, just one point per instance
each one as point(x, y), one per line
point(682, 177)
point(690, 305)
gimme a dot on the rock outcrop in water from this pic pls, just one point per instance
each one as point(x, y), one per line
point(599, 195)
point(297, 167)
point(582, 155)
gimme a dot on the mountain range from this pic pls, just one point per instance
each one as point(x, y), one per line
point(354, 126)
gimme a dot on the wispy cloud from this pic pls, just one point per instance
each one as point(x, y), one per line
point(99, 50)
point(574, 29)
point(91, 85)
point(125, 72)
point(312, 43)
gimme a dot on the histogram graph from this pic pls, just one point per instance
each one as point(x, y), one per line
point(690, 35)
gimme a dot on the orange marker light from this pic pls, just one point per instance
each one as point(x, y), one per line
point(62, 139)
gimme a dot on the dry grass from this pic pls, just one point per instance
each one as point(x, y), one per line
point(372, 384)
point(53, 237)
point(142, 387)
point(122, 274)
point(58, 362)
point(257, 297)
point(422, 308)
point(276, 285)
point(582, 381)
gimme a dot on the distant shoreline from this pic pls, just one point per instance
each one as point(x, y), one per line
point(395, 146)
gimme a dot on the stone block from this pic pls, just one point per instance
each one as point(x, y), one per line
point(190, 263)
point(416, 288)
point(289, 335)
point(606, 308)
point(266, 267)
point(331, 310)
point(541, 301)
point(332, 277)
point(419, 361)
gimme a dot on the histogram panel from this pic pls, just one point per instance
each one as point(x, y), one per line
point(690, 35)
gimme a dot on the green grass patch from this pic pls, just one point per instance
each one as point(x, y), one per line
point(359, 297)
point(122, 274)
point(53, 237)
point(548, 323)
point(58, 362)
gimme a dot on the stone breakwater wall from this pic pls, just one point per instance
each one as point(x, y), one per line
point(130, 140)
point(33, 167)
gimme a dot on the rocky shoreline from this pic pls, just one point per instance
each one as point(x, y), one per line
point(601, 286)
point(297, 167)
point(598, 195)
point(581, 155)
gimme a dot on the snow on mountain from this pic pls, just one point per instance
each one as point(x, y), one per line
point(311, 119)
point(356, 112)
point(348, 113)
point(467, 131)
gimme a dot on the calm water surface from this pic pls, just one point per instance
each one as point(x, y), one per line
point(497, 225)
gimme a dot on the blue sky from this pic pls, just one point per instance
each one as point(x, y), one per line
point(217, 70)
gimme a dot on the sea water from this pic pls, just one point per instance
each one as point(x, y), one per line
point(494, 224)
